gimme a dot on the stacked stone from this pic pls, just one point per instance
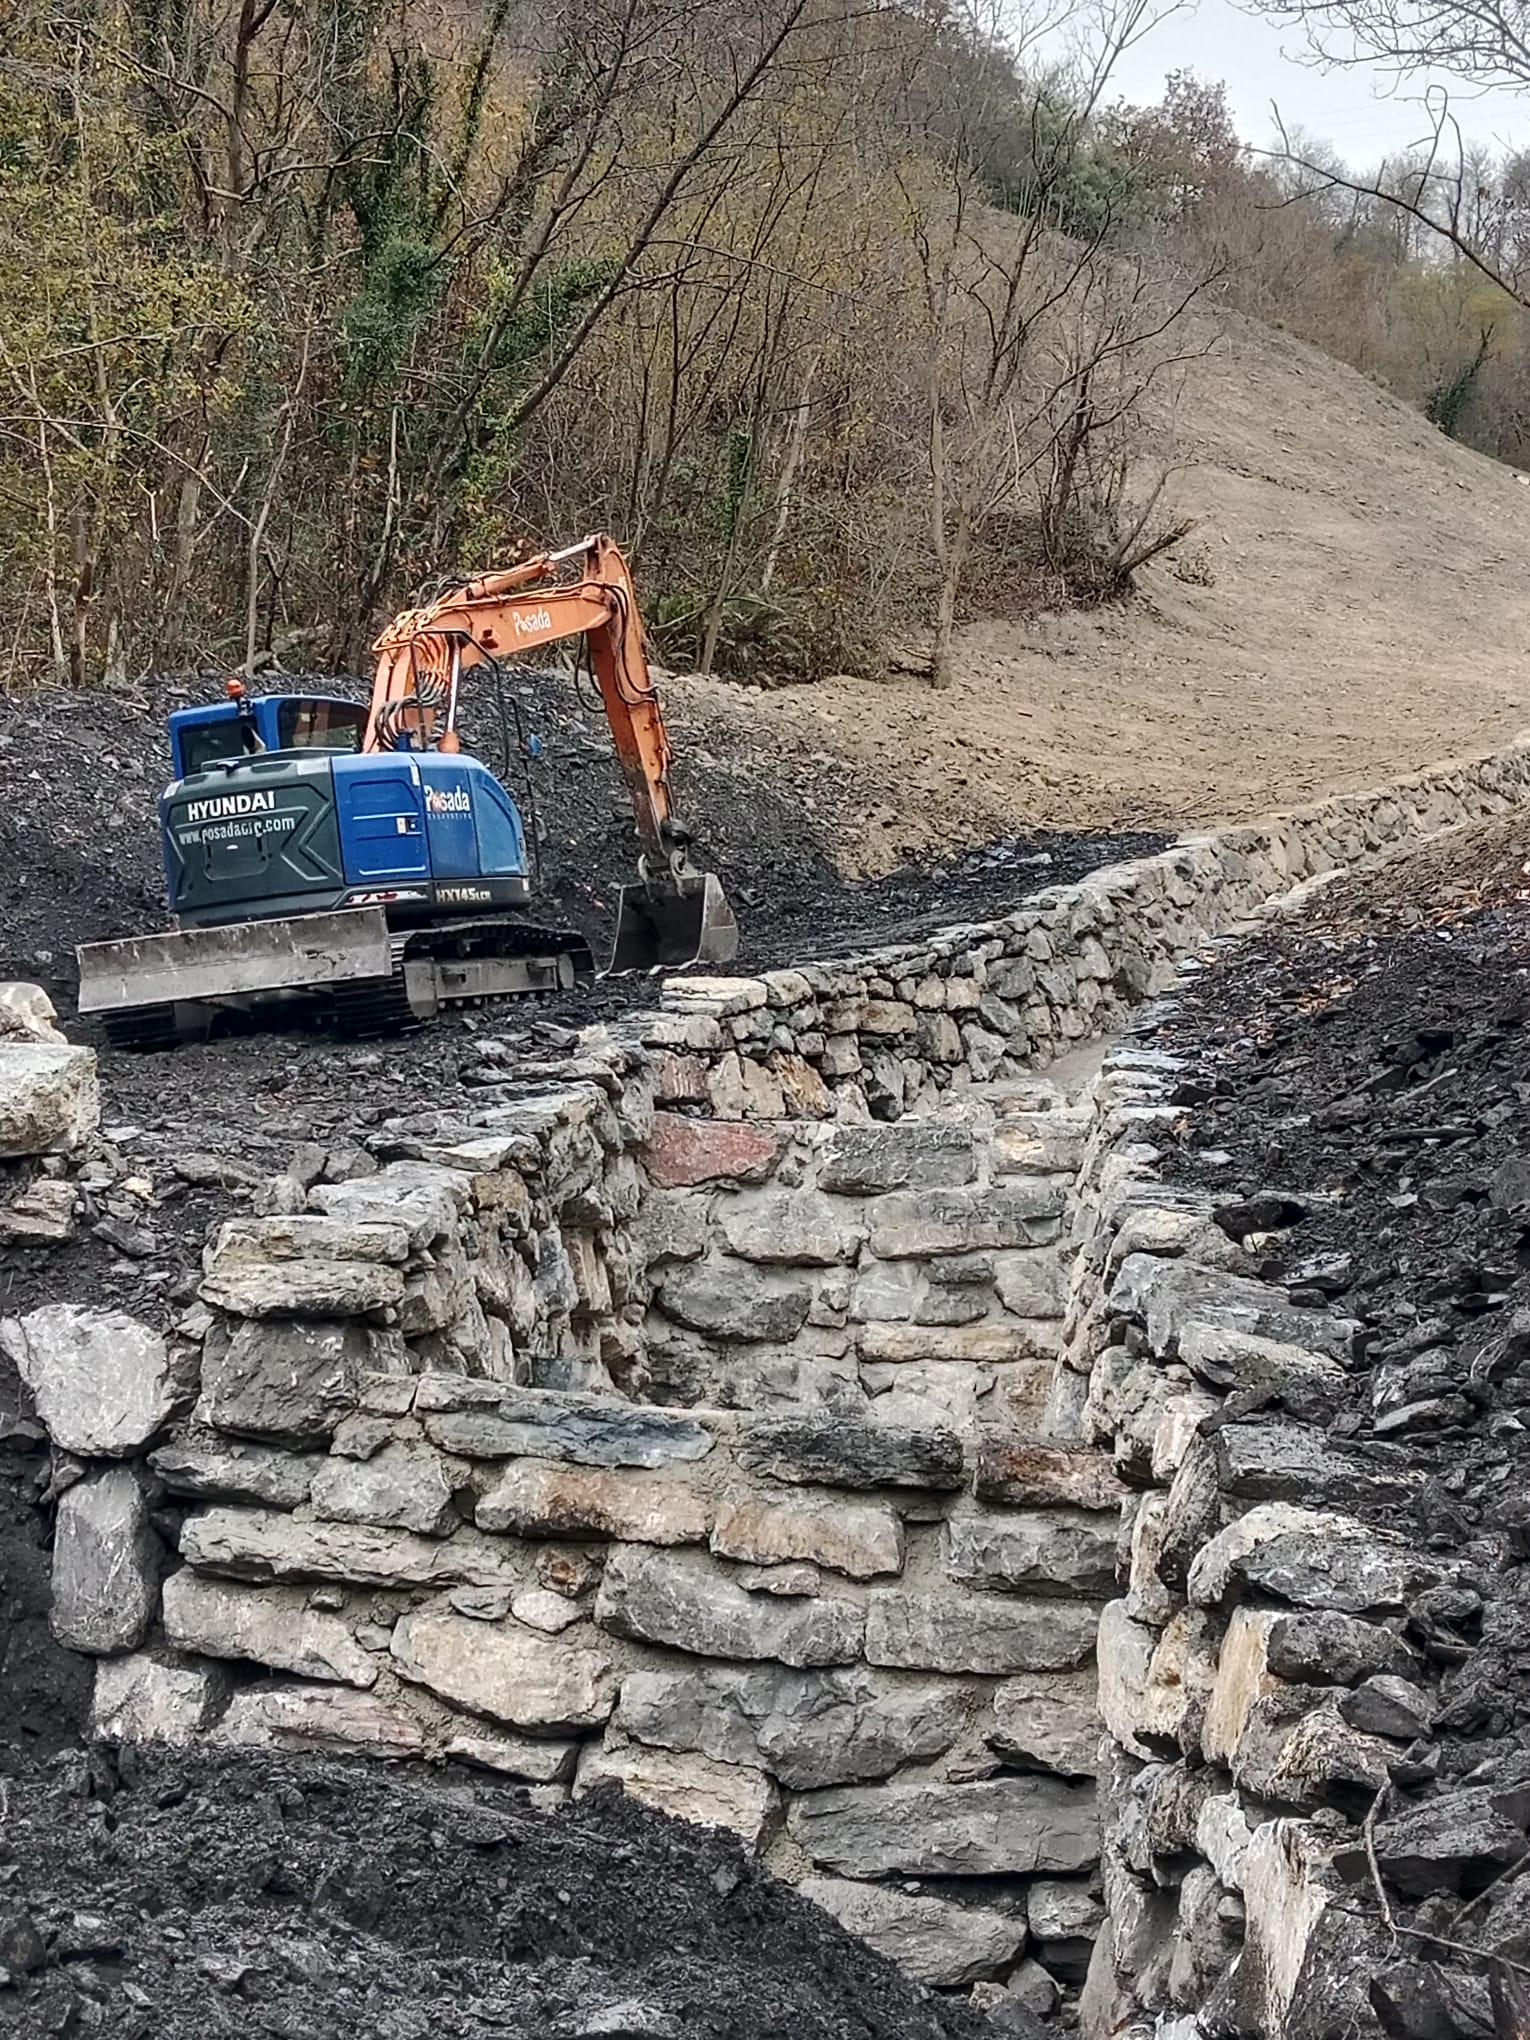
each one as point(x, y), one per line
point(864, 1647)
point(890, 1032)
point(1255, 1680)
point(910, 1271)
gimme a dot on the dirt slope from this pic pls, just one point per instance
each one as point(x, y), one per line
point(1368, 612)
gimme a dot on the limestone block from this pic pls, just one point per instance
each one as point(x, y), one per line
point(105, 1564)
point(684, 1600)
point(427, 1199)
point(102, 1383)
point(1243, 1677)
point(934, 1941)
point(1071, 1552)
point(535, 1498)
point(808, 1729)
point(1012, 1339)
point(886, 1292)
point(332, 1721)
point(842, 1451)
point(510, 1423)
point(952, 1631)
point(1030, 1281)
point(1146, 1680)
point(687, 1788)
point(261, 1544)
point(268, 1625)
point(801, 1227)
point(965, 1221)
point(1048, 1721)
point(290, 1381)
point(1001, 1827)
point(405, 1487)
point(200, 1462)
point(860, 1539)
point(504, 1670)
point(871, 1160)
point(149, 1699)
point(1041, 1143)
point(304, 1267)
point(533, 1758)
point(671, 1225)
point(1314, 1558)
point(27, 1013)
point(732, 1299)
point(50, 1099)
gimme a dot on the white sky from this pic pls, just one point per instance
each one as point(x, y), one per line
point(1363, 112)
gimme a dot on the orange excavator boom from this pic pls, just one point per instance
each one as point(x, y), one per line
point(675, 914)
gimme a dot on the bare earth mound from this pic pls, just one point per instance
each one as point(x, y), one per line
point(1368, 612)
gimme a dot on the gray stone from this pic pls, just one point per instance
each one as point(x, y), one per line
point(1173, 1295)
point(1323, 1648)
point(952, 1631)
point(1205, 1941)
point(147, 1699)
point(259, 1544)
point(779, 1579)
point(199, 1462)
point(1387, 1705)
point(536, 1498)
point(1316, 1560)
point(1034, 1990)
point(1027, 1473)
point(1292, 1754)
point(735, 1300)
point(1031, 1282)
point(534, 1758)
point(1457, 1840)
point(931, 1939)
point(994, 1344)
point(870, 1160)
point(842, 1451)
point(105, 1564)
point(861, 1539)
point(421, 1196)
point(1063, 1909)
point(917, 1222)
point(405, 1487)
point(687, 1788)
point(1048, 1721)
point(330, 1721)
point(1053, 1551)
point(102, 1383)
point(886, 1292)
point(546, 1424)
point(800, 1227)
point(671, 1225)
point(807, 1728)
point(50, 1099)
point(1002, 1827)
point(272, 1626)
point(288, 1381)
point(684, 1600)
point(304, 1267)
point(1271, 1462)
point(504, 1670)
point(538, 1607)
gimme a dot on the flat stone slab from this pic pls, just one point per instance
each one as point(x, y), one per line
point(1002, 1827)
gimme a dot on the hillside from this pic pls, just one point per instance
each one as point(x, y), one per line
point(1368, 610)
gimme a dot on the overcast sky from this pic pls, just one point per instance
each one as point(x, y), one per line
point(1362, 112)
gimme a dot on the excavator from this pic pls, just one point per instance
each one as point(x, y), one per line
point(353, 860)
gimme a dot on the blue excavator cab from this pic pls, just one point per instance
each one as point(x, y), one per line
point(275, 809)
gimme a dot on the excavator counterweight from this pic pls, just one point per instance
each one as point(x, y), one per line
point(352, 860)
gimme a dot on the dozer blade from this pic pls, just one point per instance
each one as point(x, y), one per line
point(667, 924)
point(308, 951)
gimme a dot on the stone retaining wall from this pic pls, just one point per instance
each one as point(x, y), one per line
point(642, 1424)
point(1259, 1679)
point(891, 1032)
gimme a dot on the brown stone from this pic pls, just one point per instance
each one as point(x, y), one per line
point(536, 1499)
point(858, 1538)
point(1038, 1476)
point(683, 1152)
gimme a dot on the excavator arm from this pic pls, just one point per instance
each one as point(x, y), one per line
point(676, 914)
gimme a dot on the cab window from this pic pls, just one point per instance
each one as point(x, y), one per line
point(320, 725)
point(209, 743)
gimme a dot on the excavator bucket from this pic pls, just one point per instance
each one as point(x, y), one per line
point(669, 923)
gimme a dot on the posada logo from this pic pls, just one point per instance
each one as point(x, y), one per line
point(447, 800)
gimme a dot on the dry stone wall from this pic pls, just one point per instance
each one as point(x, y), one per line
point(746, 1411)
point(1258, 1678)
